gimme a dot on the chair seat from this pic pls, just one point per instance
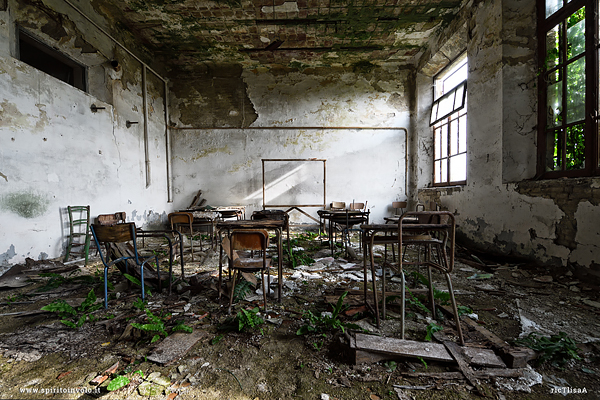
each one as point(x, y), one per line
point(250, 264)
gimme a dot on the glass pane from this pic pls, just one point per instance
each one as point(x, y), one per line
point(553, 47)
point(576, 33)
point(552, 6)
point(458, 168)
point(553, 151)
point(437, 137)
point(445, 105)
point(444, 141)
point(434, 110)
point(454, 136)
point(437, 172)
point(575, 147)
point(554, 104)
point(462, 134)
point(459, 96)
point(575, 95)
point(444, 170)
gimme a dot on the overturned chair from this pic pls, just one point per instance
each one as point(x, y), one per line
point(113, 235)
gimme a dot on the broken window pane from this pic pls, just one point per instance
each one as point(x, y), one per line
point(575, 95)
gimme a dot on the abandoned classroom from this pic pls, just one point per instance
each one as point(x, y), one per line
point(485, 111)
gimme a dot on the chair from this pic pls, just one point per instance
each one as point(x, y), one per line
point(111, 219)
point(111, 236)
point(79, 232)
point(337, 205)
point(356, 214)
point(433, 234)
point(179, 220)
point(276, 215)
point(254, 241)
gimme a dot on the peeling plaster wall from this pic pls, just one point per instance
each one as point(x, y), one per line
point(362, 164)
point(56, 152)
point(499, 209)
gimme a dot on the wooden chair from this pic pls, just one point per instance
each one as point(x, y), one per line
point(110, 235)
point(257, 242)
point(182, 221)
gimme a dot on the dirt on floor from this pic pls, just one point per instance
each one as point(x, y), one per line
point(185, 345)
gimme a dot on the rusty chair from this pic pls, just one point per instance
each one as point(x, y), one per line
point(181, 222)
point(111, 236)
point(434, 234)
point(256, 242)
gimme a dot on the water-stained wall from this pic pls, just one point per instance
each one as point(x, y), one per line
point(502, 208)
point(350, 117)
point(55, 150)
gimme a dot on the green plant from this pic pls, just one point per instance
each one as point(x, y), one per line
point(462, 310)
point(431, 329)
point(137, 282)
point(249, 319)
point(558, 349)
point(325, 321)
point(157, 326)
point(390, 365)
point(74, 317)
point(121, 381)
point(423, 361)
point(241, 290)
point(216, 339)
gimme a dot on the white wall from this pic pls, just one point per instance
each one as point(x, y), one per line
point(362, 164)
point(56, 152)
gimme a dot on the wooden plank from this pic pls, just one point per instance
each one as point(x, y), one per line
point(463, 364)
point(371, 349)
point(175, 346)
point(400, 347)
point(514, 357)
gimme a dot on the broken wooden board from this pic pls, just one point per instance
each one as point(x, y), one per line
point(370, 348)
point(175, 346)
point(461, 358)
point(514, 357)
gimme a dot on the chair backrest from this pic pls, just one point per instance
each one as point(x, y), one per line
point(249, 239)
point(338, 205)
point(111, 219)
point(118, 233)
point(358, 206)
point(114, 233)
point(181, 218)
point(399, 205)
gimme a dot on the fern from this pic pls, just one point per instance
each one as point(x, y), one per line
point(241, 290)
point(249, 320)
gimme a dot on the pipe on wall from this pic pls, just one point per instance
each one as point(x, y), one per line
point(165, 102)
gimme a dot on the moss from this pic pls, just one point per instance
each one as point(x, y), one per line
point(25, 204)
point(363, 67)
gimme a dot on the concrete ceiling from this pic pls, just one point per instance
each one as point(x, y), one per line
point(297, 33)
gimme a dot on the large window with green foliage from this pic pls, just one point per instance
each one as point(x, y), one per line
point(568, 84)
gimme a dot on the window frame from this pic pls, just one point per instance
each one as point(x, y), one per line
point(458, 112)
point(590, 121)
point(79, 77)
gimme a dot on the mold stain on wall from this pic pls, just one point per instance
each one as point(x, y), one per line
point(24, 204)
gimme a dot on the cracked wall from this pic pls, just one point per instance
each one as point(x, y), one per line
point(500, 209)
point(362, 164)
point(56, 151)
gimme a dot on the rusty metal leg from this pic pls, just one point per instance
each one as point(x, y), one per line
point(403, 303)
point(235, 273)
point(374, 279)
point(455, 310)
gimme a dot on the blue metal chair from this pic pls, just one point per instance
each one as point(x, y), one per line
point(119, 233)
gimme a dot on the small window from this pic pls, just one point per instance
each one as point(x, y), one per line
point(50, 61)
point(449, 120)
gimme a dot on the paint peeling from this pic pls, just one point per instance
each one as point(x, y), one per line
point(7, 255)
point(25, 204)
